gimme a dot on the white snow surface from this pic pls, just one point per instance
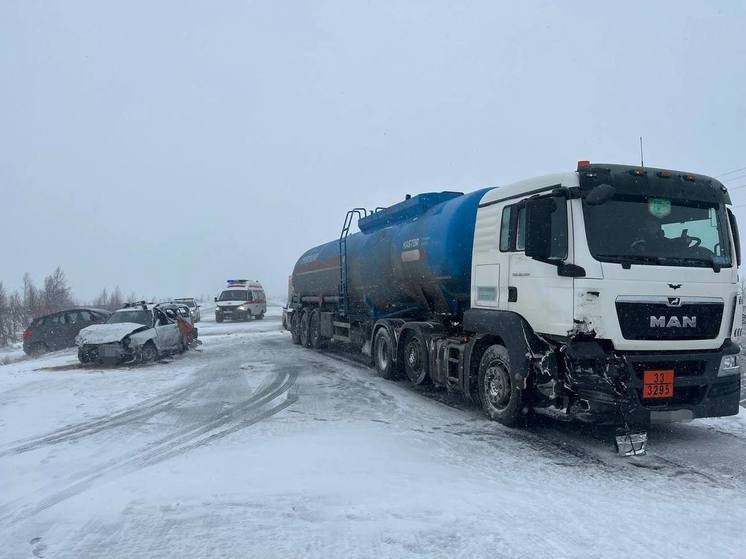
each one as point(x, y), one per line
point(107, 333)
point(255, 447)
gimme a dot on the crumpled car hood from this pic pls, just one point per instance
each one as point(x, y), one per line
point(107, 333)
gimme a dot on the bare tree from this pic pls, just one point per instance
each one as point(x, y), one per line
point(6, 322)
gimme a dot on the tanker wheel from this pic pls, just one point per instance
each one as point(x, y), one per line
point(415, 359)
point(502, 398)
point(304, 337)
point(314, 330)
point(383, 354)
point(295, 326)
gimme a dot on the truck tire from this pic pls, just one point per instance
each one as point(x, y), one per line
point(295, 327)
point(314, 330)
point(501, 397)
point(304, 331)
point(259, 316)
point(218, 318)
point(383, 354)
point(416, 362)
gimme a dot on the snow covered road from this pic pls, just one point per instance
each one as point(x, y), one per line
point(254, 447)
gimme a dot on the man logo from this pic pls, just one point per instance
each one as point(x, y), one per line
point(673, 322)
point(674, 301)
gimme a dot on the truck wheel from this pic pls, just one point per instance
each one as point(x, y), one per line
point(416, 359)
point(501, 397)
point(314, 329)
point(295, 327)
point(218, 318)
point(259, 316)
point(148, 353)
point(383, 354)
point(304, 337)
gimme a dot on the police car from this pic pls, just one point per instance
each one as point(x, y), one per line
point(241, 300)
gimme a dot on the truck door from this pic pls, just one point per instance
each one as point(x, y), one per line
point(536, 290)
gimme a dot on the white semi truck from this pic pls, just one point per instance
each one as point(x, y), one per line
point(607, 294)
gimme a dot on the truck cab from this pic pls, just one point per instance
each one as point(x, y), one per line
point(627, 278)
point(241, 300)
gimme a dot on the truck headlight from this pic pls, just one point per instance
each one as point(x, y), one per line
point(729, 366)
point(243, 307)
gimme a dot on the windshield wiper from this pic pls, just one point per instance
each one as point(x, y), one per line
point(702, 262)
point(627, 261)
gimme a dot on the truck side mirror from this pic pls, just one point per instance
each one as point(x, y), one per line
point(539, 227)
point(215, 299)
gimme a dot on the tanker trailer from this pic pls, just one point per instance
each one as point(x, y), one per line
point(607, 294)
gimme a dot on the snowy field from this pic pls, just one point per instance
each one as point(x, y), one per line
point(254, 447)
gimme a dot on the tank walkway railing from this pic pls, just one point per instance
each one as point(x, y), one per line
point(343, 303)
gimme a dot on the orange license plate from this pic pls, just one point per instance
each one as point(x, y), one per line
point(657, 384)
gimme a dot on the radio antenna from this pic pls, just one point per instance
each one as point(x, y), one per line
point(642, 159)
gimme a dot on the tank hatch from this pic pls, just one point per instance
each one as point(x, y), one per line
point(405, 210)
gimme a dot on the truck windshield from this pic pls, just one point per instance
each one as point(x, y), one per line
point(658, 231)
point(235, 295)
point(139, 317)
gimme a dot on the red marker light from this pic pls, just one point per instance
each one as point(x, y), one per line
point(27, 333)
point(689, 178)
point(664, 174)
point(637, 172)
point(583, 164)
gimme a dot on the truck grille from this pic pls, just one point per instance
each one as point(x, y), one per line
point(657, 319)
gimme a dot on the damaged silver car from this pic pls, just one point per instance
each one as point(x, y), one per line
point(139, 332)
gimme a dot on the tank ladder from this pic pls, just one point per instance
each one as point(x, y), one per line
point(343, 302)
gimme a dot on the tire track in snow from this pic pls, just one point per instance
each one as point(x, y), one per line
point(567, 442)
point(137, 412)
point(254, 409)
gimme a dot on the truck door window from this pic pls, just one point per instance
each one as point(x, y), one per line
point(559, 229)
point(520, 233)
point(505, 229)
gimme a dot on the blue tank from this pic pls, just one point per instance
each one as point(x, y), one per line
point(413, 259)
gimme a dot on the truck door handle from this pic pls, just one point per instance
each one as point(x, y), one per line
point(512, 294)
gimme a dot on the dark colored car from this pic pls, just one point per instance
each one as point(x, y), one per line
point(58, 330)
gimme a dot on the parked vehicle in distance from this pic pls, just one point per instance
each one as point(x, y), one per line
point(138, 332)
point(608, 294)
point(193, 307)
point(58, 330)
point(241, 300)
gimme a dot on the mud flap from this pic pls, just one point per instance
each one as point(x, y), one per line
point(631, 443)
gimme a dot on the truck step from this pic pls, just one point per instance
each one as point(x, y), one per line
point(339, 338)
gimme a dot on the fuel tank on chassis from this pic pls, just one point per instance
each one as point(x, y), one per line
point(413, 257)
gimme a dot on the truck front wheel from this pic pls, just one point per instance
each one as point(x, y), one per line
point(499, 393)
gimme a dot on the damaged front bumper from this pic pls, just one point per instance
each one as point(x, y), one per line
point(106, 354)
point(606, 386)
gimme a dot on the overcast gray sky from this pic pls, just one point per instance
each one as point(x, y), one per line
point(167, 146)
